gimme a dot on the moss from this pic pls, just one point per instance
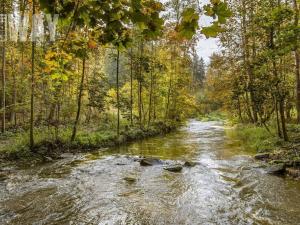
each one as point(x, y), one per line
point(49, 144)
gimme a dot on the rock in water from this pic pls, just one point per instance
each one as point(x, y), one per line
point(2, 176)
point(174, 168)
point(262, 156)
point(190, 164)
point(293, 172)
point(150, 162)
point(48, 159)
point(276, 169)
point(130, 179)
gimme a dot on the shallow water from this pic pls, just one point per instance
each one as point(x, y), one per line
point(227, 187)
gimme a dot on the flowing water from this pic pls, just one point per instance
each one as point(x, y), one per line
point(227, 187)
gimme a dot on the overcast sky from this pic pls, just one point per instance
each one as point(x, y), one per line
point(205, 47)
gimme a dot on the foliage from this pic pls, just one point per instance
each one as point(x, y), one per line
point(123, 63)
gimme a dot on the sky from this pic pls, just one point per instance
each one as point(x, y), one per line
point(205, 47)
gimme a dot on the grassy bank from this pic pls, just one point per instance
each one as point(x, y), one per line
point(51, 143)
point(213, 116)
point(272, 149)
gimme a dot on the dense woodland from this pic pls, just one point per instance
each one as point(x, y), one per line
point(256, 76)
point(114, 65)
point(119, 65)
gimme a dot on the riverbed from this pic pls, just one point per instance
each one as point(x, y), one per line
point(225, 187)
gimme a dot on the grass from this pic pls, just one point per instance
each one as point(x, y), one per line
point(261, 140)
point(258, 138)
point(50, 143)
point(213, 116)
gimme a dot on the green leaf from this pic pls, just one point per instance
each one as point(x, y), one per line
point(213, 30)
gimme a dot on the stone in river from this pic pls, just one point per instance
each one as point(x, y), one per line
point(190, 164)
point(293, 172)
point(130, 179)
point(2, 176)
point(174, 168)
point(262, 156)
point(276, 169)
point(150, 162)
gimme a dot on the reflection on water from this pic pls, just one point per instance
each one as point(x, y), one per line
point(225, 188)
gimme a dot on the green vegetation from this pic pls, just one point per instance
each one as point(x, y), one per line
point(51, 143)
point(213, 116)
point(114, 71)
point(257, 138)
point(256, 79)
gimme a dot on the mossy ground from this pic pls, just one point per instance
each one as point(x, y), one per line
point(50, 142)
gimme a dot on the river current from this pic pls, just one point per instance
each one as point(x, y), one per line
point(227, 187)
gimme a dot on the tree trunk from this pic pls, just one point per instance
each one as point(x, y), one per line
point(14, 97)
point(118, 94)
point(31, 137)
point(140, 88)
point(297, 62)
point(151, 91)
point(170, 84)
point(79, 100)
point(282, 118)
point(277, 119)
point(131, 87)
point(3, 87)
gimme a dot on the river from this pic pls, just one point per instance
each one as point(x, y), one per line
point(226, 187)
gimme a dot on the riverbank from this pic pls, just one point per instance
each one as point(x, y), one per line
point(282, 158)
point(50, 146)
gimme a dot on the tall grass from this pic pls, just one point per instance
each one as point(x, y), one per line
point(258, 138)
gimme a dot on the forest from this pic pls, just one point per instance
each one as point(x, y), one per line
point(143, 112)
point(111, 68)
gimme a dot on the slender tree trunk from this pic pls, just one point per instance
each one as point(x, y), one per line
point(282, 118)
point(31, 137)
point(151, 91)
point(118, 94)
point(277, 119)
point(131, 87)
point(14, 99)
point(154, 97)
point(3, 86)
point(79, 100)
point(140, 88)
point(239, 109)
point(297, 61)
point(170, 84)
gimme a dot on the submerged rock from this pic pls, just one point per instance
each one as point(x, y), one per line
point(66, 156)
point(190, 164)
point(262, 156)
point(293, 172)
point(121, 164)
point(130, 179)
point(174, 168)
point(48, 159)
point(276, 169)
point(3, 176)
point(150, 161)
